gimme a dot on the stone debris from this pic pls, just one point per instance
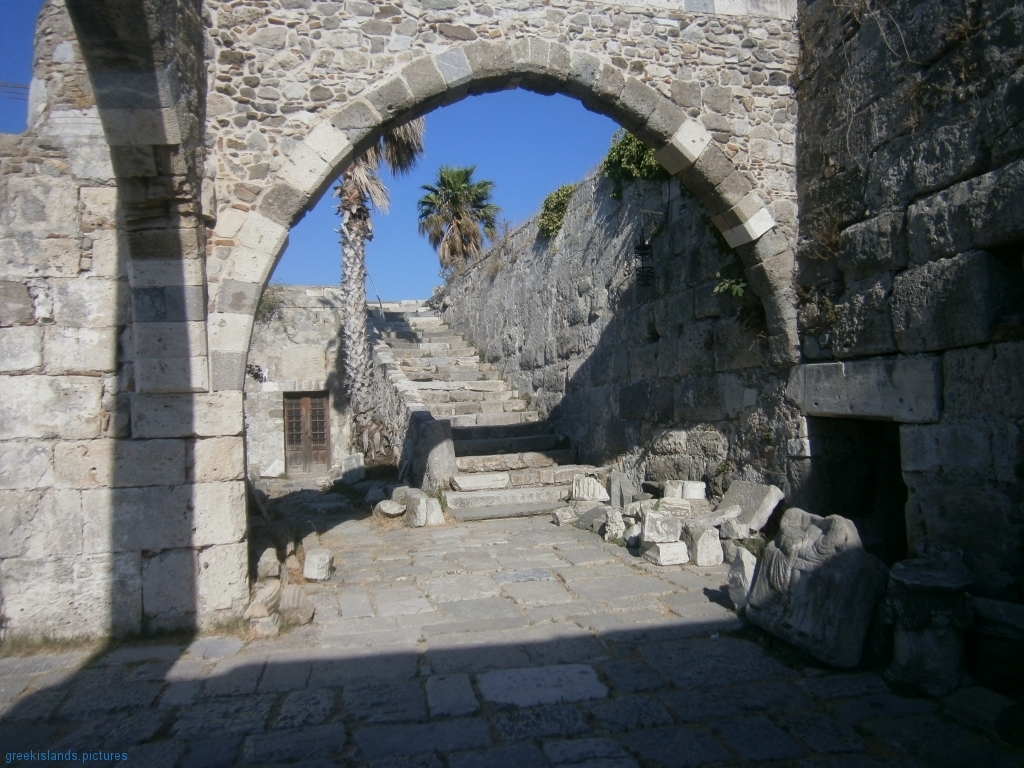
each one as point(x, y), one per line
point(658, 528)
point(718, 517)
point(266, 626)
point(666, 553)
point(817, 588)
point(741, 576)
point(620, 489)
point(265, 601)
point(586, 518)
point(564, 516)
point(683, 489)
point(757, 502)
point(587, 488)
point(268, 566)
point(318, 565)
point(481, 481)
point(422, 510)
point(632, 535)
point(703, 543)
point(734, 529)
point(615, 527)
point(677, 507)
point(387, 508)
point(294, 606)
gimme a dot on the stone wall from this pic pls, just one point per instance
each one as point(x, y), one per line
point(666, 381)
point(296, 349)
point(910, 180)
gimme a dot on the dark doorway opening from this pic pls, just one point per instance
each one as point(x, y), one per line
point(306, 433)
point(857, 474)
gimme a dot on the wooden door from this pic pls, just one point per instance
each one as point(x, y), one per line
point(306, 433)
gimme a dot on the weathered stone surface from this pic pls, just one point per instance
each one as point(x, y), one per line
point(587, 488)
point(615, 527)
point(585, 519)
point(620, 490)
point(757, 502)
point(16, 307)
point(119, 463)
point(666, 553)
point(656, 527)
point(21, 349)
point(817, 588)
point(703, 544)
point(451, 696)
point(902, 389)
point(481, 481)
point(319, 565)
point(295, 606)
point(66, 407)
point(217, 459)
point(741, 577)
point(541, 685)
point(421, 510)
point(389, 508)
point(864, 323)
point(948, 303)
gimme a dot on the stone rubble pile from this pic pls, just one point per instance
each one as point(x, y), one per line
point(281, 561)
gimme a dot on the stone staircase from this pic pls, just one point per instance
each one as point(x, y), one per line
point(510, 463)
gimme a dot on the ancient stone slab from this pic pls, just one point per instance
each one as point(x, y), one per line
point(684, 148)
point(319, 565)
point(541, 685)
point(389, 508)
point(757, 502)
point(656, 527)
point(451, 696)
point(50, 406)
point(587, 488)
point(905, 389)
point(703, 543)
point(817, 588)
point(21, 349)
point(219, 513)
point(741, 577)
point(217, 459)
point(620, 489)
point(666, 553)
point(481, 481)
point(119, 463)
point(16, 307)
point(201, 415)
point(948, 303)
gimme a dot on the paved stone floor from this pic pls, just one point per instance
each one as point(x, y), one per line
point(501, 643)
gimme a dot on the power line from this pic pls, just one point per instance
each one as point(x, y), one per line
point(15, 91)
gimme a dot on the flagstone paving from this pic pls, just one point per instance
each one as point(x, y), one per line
point(494, 643)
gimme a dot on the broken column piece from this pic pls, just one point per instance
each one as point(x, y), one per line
point(666, 553)
point(757, 502)
point(703, 543)
point(741, 576)
point(658, 528)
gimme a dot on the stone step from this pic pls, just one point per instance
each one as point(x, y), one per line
point(443, 410)
point(460, 396)
point(506, 511)
point(432, 350)
point(471, 419)
point(482, 432)
point(481, 481)
point(507, 497)
point(453, 375)
point(507, 445)
point(557, 475)
point(504, 462)
point(426, 361)
point(494, 385)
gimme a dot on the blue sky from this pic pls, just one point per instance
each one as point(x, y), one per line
point(528, 145)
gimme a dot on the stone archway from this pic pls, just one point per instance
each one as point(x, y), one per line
point(684, 147)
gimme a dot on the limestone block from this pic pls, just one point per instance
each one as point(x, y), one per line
point(217, 459)
point(295, 607)
point(330, 145)
point(249, 266)
point(268, 566)
point(585, 518)
point(668, 553)
point(261, 234)
point(902, 389)
point(50, 406)
point(265, 626)
point(352, 468)
point(202, 415)
point(305, 169)
point(136, 519)
point(319, 565)
point(948, 303)
point(674, 506)
point(659, 528)
point(693, 489)
point(16, 306)
point(99, 208)
point(614, 525)
point(388, 508)
point(44, 206)
point(863, 324)
point(172, 374)
point(229, 331)
point(684, 148)
point(40, 523)
point(157, 273)
point(481, 481)
point(27, 257)
point(734, 529)
point(873, 246)
point(986, 380)
point(587, 488)
point(21, 348)
point(632, 534)
point(89, 303)
point(78, 350)
point(119, 463)
point(66, 597)
point(434, 513)
point(221, 579)
point(26, 464)
point(703, 544)
point(174, 339)
point(564, 516)
point(416, 508)
point(817, 588)
point(303, 364)
point(748, 206)
point(757, 502)
point(750, 230)
point(741, 576)
point(218, 513)
point(227, 370)
point(708, 397)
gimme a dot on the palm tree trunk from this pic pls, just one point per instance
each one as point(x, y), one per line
point(355, 231)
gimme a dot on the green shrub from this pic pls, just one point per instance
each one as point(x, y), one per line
point(271, 303)
point(630, 159)
point(552, 211)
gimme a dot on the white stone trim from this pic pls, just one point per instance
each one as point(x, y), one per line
point(750, 230)
point(684, 147)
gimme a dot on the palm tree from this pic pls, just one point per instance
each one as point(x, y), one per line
point(360, 190)
point(452, 214)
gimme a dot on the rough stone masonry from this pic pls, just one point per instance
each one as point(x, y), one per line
point(171, 145)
